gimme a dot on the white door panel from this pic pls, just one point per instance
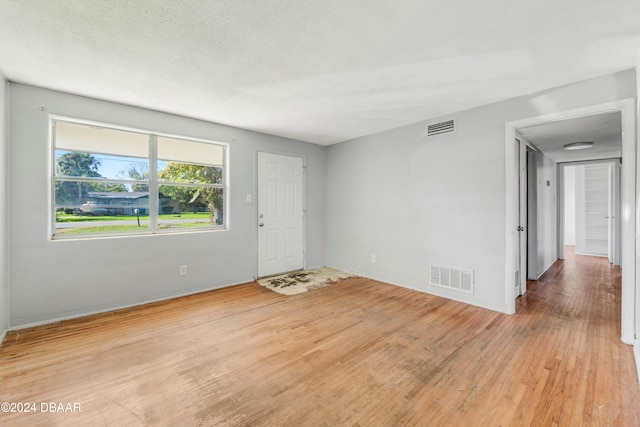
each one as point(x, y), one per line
point(280, 214)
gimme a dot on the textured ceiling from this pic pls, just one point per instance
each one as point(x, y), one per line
point(318, 71)
point(604, 130)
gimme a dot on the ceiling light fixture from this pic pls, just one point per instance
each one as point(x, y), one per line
point(578, 145)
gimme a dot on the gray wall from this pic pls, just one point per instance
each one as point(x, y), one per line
point(412, 201)
point(4, 291)
point(51, 280)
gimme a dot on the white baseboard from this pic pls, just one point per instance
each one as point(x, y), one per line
point(2, 335)
point(431, 290)
point(89, 311)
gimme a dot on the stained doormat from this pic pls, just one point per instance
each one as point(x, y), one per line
point(298, 282)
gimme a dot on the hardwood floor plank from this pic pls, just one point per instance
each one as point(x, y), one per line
point(358, 353)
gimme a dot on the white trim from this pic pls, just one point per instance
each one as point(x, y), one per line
point(116, 181)
point(226, 196)
point(152, 177)
point(628, 109)
point(560, 213)
point(100, 236)
point(523, 209)
point(6, 274)
point(636, 161)
point(51, 178)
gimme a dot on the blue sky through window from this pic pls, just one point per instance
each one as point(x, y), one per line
point(116, 167)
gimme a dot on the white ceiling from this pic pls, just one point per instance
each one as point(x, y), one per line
point(604, 130)
point(319, 71)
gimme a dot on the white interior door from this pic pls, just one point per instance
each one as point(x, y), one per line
point(280, 214)
point(521, 262)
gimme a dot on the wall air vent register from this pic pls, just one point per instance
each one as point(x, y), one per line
point(452, 278)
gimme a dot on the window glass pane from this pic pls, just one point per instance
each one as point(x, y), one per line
point(185, 151)
point(189, 173)
point(185, 207)
point(93, 165)
point(94, 139)
point(102, 181)
point(90, 208)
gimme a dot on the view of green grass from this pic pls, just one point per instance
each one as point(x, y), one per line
point(185, 225)
point(101, 229)
point(62, 217)
point(104, 229)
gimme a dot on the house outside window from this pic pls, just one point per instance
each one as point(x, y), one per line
point(112, 181)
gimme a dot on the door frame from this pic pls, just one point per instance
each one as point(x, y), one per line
point(614, 205)
point(626, 107)
point(523, 170)
point(304, 204)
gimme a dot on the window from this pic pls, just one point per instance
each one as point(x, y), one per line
point(110, 181)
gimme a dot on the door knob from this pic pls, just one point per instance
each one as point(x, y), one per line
point(261, 224)
point(520, 228)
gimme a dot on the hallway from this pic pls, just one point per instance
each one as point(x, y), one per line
point(589, 373)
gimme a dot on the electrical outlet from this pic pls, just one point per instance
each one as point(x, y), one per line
point(183, 270)
point(373, 259)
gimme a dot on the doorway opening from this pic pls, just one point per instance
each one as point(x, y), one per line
point(591, 208)
point(620, 112)
point(281, 227)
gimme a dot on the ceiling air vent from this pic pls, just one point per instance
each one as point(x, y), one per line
point(445, 126)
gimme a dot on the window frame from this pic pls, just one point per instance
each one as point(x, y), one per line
point(153, 182)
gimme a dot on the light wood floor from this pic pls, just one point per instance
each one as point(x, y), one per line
point(358, 353)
